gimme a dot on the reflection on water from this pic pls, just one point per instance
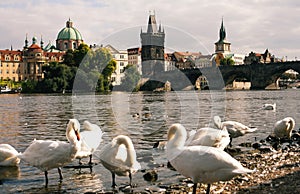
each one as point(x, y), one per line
point(26, 117)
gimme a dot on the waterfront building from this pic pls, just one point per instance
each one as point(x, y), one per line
point(10, 65)
point(203, 61)
point(121, 58)
point(170, 62)
point(135, 58)
point(17, 65)
point(152, 48)
point(68, 37)
point(265, 57)
point(186, 60)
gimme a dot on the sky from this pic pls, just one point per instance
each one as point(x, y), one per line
point(190, 25)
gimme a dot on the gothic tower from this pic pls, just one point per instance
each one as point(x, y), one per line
point(152, 48)
point(222, 46)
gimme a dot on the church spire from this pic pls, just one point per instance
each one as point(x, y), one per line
point(222, 32)
point(26, 42)
point(42, 42)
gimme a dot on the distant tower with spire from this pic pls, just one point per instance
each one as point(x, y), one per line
point(222, 46)
point(152, 48)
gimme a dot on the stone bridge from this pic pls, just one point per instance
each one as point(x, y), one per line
point(260, 75)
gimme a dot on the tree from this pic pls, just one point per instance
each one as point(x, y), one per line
point(131, 79)
point(95, 64)
point(74, 57)
point(58, 77)
point(227, 61)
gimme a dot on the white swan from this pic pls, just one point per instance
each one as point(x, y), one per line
point(201, 163)
point(48, 154)
point(269, 106)
point(90, 140)
point(284, 127)
point(8, 155)
point(209, 137)
point(119, 157)
point(234, 128)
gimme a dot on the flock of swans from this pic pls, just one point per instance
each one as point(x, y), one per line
point(199, 156)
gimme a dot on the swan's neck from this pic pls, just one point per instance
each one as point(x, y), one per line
point(72, 138)
point(131, 155)
point(178, 139)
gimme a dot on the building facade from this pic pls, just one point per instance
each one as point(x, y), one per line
point(121, 58)
point(26, 64)
point(265, 57)
point(135, 58)
point(152, 48)
point(10, 65)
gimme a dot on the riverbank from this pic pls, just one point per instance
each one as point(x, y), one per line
point(277, 171)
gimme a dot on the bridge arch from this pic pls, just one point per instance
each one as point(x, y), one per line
point(278, 69)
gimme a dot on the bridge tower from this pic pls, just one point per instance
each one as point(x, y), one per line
point(152, 48)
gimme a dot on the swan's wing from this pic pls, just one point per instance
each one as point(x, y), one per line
point(206, 164)
point(210, 137)
point(47, 154)
point(92, 136)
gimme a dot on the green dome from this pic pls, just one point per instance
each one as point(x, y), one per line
point(69, 33)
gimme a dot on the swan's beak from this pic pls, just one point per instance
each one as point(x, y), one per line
point(77, 135)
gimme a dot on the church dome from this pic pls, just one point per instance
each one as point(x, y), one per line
point(69, 32)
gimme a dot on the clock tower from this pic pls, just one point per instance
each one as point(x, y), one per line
point(222, 46)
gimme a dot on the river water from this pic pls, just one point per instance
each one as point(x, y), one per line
point(26, 117)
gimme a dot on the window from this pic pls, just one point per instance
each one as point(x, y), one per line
point(16, 58)
point(74, 45)
point(66, 45)
point(121, 63)
point(121, 56)
point(7, 57)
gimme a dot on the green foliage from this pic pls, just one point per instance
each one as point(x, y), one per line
point(74, 57)
point(58, 78)
point(83, 70)
point(29, 86)
point(109, 69)
point(227, 61)
point(131, 79)
point(95, 71)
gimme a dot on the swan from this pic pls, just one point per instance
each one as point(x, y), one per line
point(269, 106)
point(9, 155)
point(119, 157)
point(90, 140)
point(203, 164)
point(284, 127)
point(48, 154)
point(207, 136)
point(234, 128)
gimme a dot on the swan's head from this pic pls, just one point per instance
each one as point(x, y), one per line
point(218, 122)
point(74, 126)
point(177, 133)
point(123, 139)
point(87, 125)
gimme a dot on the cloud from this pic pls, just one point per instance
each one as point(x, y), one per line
point(250, 25)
